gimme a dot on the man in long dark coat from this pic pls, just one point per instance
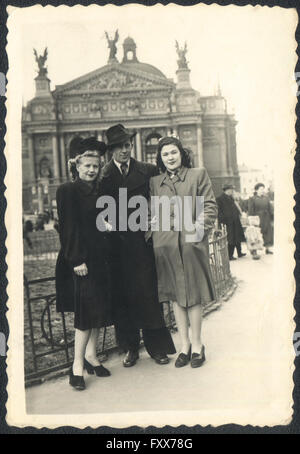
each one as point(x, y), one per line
point(135, 299)
point(229, 215)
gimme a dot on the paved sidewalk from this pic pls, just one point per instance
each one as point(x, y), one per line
point(235, 376)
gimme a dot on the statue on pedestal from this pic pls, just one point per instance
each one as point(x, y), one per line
point(41, 60)
point(182, 63)
point(112, 47)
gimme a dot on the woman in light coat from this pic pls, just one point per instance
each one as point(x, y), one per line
point(182, 254)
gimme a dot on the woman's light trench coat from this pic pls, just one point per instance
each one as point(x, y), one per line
point(182, 265)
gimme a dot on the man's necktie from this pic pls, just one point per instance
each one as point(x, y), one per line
point(124, 169)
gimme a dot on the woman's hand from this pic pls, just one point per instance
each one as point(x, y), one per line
point(108, 226)
point(81, 270)
point(153, 222)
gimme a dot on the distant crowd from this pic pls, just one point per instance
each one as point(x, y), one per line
point(247, 220)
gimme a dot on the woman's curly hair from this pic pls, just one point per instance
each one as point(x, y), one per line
point(80, 147)
point(170, 140)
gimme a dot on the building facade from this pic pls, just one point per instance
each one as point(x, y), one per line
point(133, 93)
point(249, 177)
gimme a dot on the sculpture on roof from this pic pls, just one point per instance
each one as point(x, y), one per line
point(41, 60)
point(112, 47)
point(181, 52)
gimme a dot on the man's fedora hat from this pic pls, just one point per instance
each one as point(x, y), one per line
point(117, 134)
point(228, 186)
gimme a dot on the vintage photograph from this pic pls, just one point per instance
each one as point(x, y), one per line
point(150, 155)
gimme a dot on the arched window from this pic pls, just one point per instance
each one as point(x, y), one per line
point(151, 147)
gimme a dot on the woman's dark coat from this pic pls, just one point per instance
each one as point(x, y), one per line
point(261, 206)
point(134, 274)
point(229, 215)
point(182, 265)
point(81, 242)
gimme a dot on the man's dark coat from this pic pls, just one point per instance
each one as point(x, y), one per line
point(229, 214)
point(134, 278)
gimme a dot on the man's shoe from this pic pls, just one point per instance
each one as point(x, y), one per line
point(242, 255)
point(268, 251)
point(161, 359)
point(130, 358)
point(232, 258)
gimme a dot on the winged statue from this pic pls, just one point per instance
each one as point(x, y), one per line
point(41, 60)
point(181, 52)
point(112, 46)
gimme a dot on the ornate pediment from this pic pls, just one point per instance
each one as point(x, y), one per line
point(113, 79)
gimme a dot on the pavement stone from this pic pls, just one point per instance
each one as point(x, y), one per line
point(236, 374)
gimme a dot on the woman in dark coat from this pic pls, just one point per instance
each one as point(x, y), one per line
point(259, 205)
point(182, 256)
point(82, 269)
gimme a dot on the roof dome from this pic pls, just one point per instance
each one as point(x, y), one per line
point(142, 67)
point(130, 60)
point(129, 42)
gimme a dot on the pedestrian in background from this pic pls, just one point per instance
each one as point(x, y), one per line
point(259, 205)
point(229, 214)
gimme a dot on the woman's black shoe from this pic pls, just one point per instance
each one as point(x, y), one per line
point(77, 381)
point(183, 359)
point(198, 358)
point(100, 371)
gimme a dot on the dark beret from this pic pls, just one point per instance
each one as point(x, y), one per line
point(258, 185)
point(92, 144)
point(78, 146)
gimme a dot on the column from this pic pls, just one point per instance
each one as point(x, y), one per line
point(40, 195)
point(63, 156)
point(169, 132)
point(199, 146)
point(55, 156)
point(175, 131)
point(31, 158)
point(138, 142)
point(225, 151)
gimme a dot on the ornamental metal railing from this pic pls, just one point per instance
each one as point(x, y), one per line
point(49, 335)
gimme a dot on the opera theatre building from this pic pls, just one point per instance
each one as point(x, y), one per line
point(136, 94)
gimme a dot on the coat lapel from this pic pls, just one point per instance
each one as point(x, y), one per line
point(136, 177)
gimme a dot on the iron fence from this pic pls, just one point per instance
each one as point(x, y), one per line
point(49, 335)
point(41, 245)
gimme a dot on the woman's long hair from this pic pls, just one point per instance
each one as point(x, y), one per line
point(169, 140)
